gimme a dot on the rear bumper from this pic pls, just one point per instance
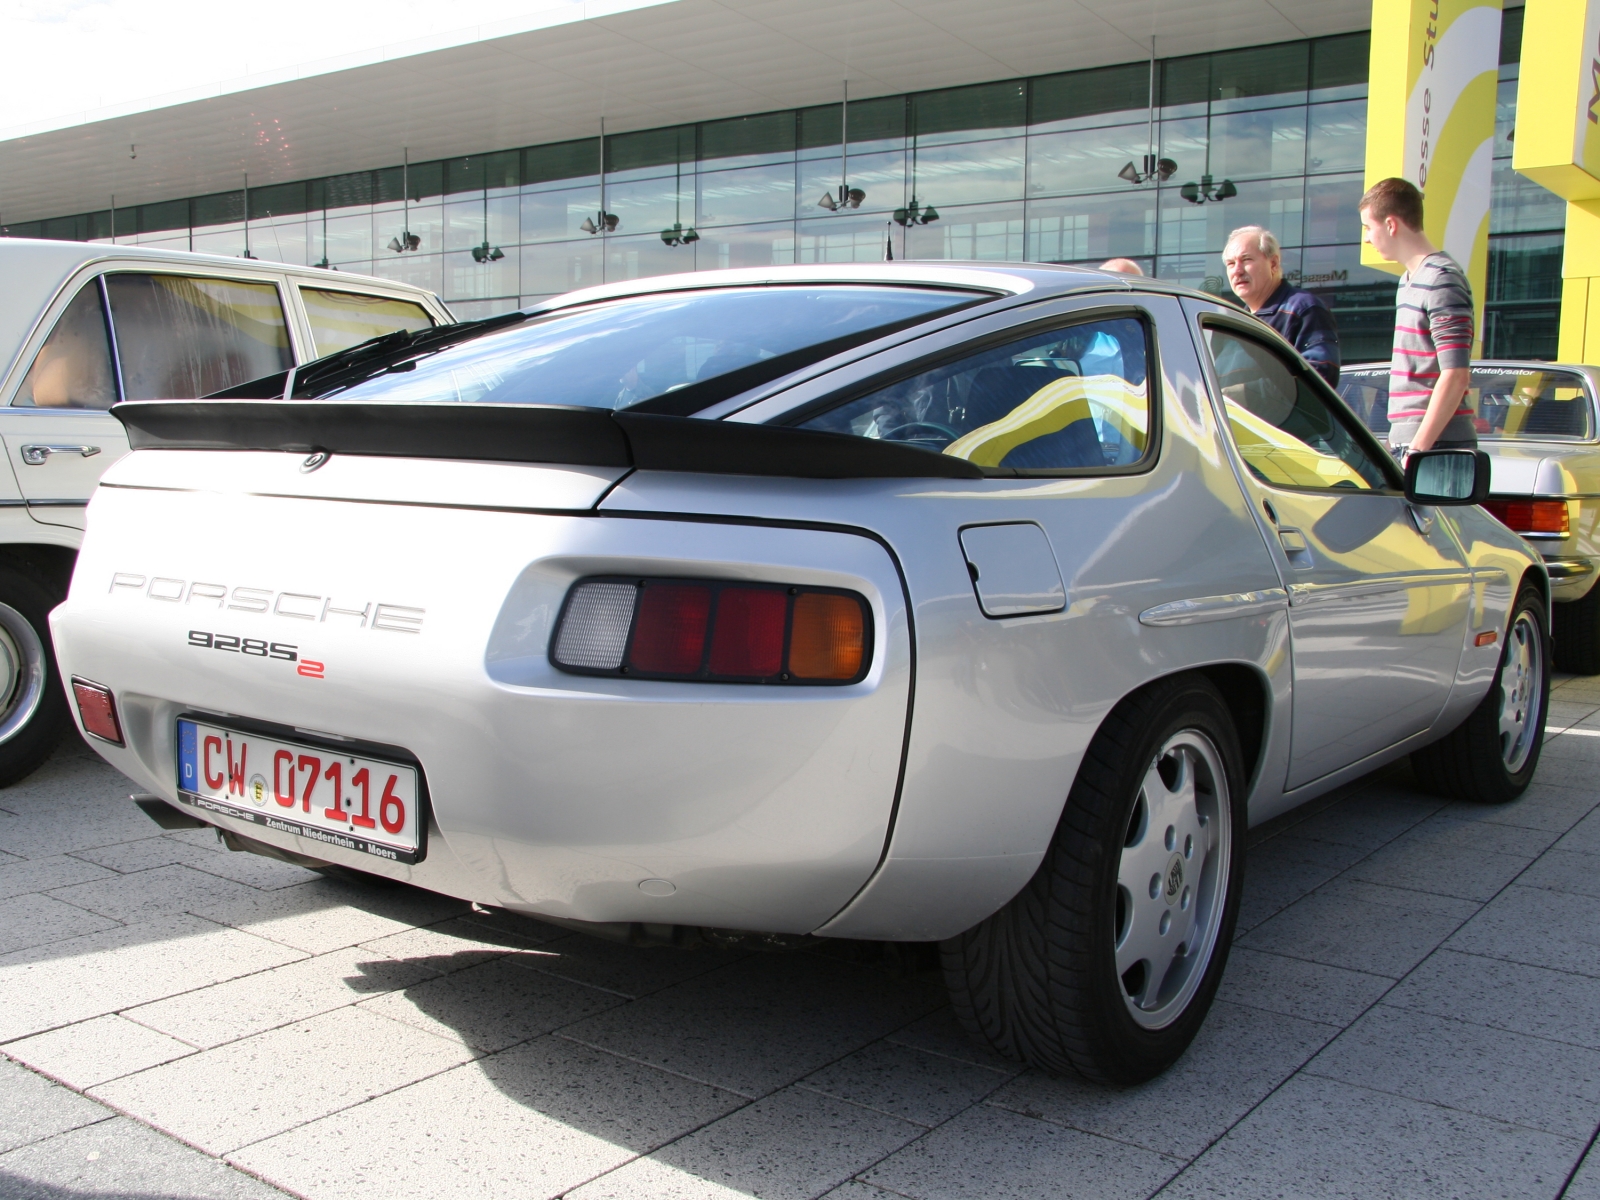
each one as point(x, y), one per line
point(763, 808)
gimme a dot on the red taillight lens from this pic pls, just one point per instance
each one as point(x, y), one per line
point(669, 636)
point(748, 634)
point(691, 629)
point(98, 710)
point(1531, 516)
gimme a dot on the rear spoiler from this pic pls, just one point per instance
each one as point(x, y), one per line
point(566, 434)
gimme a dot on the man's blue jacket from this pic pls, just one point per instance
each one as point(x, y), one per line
point(1307, 324)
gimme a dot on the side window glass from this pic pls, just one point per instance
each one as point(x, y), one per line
point(73, 367)
point(180, 337)
point(340, 320)
point(1070, 398)
point(1286, 432)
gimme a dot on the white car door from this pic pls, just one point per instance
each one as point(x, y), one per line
point(134, 335)
point(1379, 590)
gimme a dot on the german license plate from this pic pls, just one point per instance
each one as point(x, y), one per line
point(345, 800)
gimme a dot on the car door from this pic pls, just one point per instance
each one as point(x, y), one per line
point(132, 335)
point(1379, 589)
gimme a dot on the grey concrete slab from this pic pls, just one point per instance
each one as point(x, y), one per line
point(1542, 806)
point(32, 1108)
point(1282, 869)
point(244, 1091)
point(911, 1084)
point(21, 875)
point(1585, 1183)
point(792, 1145)
point(120, 1159)
point(451, 945)
point(990, 1153)
point(531, 1122)
point(209, 855)
point(856, 1190)
point(1362, 927)
point(1297, 988)
point(939, 1033)
point(158, 892)
point(630, 970)
point(1318, 1138)
point(1495, 1073)
point(1570, 772)
point(493, 1005)
point(1370, 818)
point(65, 982)
point(96, 1050)
point(1446, 869)
point(777, 1018)
point(1525, 999)
point(1239, 1057)
point(1533, 925)
point(35, 920)
point(1565, 871)
point(225, 1012)
point(330, 914)
point(1583, 837)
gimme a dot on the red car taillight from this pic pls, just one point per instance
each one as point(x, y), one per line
point(1531, 516)
point(707, 630)
point(97, 708)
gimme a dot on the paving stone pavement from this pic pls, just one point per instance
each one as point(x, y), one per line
point(1412, 1009)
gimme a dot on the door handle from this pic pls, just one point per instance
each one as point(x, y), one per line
point(1295, 548)
point(37, 456)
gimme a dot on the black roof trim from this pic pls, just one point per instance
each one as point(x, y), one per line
point(527, 434)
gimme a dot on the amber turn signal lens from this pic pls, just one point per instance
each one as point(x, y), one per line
point(828, 639)
point(98, 709)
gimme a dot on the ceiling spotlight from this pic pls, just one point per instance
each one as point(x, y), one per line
point(405, 241)
point(601, 220)
point(848, 197)
point(1205, 190)
point(487, 253)
point(913, 214)
point(1159, 169)
point(679, 236)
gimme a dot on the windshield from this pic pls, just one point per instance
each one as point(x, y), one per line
point(1508, 403)
point(672, 352)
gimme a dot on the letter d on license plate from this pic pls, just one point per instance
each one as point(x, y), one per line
point(348, 800)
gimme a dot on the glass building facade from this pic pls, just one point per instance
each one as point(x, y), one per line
point(1025, 169)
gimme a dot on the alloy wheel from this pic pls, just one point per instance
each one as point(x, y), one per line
point(1521, 691)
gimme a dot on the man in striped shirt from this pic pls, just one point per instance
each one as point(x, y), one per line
point(1429, 372)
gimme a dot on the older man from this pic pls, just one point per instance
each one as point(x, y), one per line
point(1254, 263)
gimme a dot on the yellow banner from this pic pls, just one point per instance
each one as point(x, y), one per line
point(1430, 119)
point(1558, 98)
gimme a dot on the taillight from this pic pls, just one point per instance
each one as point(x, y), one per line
point(1531, 516)
point(98, 710)
point(707, 630)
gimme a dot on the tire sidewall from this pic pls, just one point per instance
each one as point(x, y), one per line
point(1529, 600)
point(1193, 704)
point(21, 754)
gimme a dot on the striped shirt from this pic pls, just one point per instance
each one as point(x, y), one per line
point(1432, 332)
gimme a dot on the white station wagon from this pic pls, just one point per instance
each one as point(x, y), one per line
point(916, 602)
point(84, 326)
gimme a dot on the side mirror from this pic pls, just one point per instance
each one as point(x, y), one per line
point(1447, 477)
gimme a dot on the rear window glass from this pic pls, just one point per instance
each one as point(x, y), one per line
point(1508, 403)
point(179, 337)
point(340, 320)
point(622, 353)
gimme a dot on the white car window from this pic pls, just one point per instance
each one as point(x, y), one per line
point(180, 337)
point(340, 320)
point(1070, 398)
point(73, 367)
point(1287, 433)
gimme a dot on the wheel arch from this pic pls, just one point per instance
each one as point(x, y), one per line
point(53, 563)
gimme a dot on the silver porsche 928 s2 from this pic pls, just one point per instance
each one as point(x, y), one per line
point(965, 603)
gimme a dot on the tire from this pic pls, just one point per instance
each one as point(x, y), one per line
point(1054, 978)
point(1490, 757)
point(33, 701)
point(1575, 630)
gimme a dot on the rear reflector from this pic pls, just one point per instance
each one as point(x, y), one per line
point(710, 631)
point(1531, 516)
point(98, 710)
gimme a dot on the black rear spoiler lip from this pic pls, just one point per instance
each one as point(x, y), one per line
point(535, 434)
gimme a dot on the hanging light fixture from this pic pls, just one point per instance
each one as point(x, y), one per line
point(486, 253)
point(1208, 190)
point(602, 221)
point(247, 253)
point(406, 240)
point(914, 213)
point(1153, 168)
point(848, 196)
point(678, 235)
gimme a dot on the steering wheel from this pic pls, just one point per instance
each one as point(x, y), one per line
point(895, 434)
